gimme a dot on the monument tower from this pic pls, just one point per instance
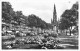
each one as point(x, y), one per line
point(54, 20)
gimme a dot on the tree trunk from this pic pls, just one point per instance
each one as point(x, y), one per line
point(66, 32)
point(70, 30)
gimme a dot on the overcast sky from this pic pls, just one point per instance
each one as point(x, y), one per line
point(41, 8)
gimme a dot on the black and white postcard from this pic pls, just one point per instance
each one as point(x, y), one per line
point(39, 24)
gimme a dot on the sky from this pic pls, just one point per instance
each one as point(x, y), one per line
point(41, 8)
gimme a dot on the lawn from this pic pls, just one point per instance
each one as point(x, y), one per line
point(68, 42)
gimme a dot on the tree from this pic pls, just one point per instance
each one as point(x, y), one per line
point(69, 19)
point(7, 10)
point(17, 18)
point(35, 21)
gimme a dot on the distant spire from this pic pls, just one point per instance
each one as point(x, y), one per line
point(54, 9)
point(54, 16)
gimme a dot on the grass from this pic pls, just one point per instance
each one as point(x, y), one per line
point(69, 40)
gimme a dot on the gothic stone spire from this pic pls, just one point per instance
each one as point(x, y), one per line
point(54, 16)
